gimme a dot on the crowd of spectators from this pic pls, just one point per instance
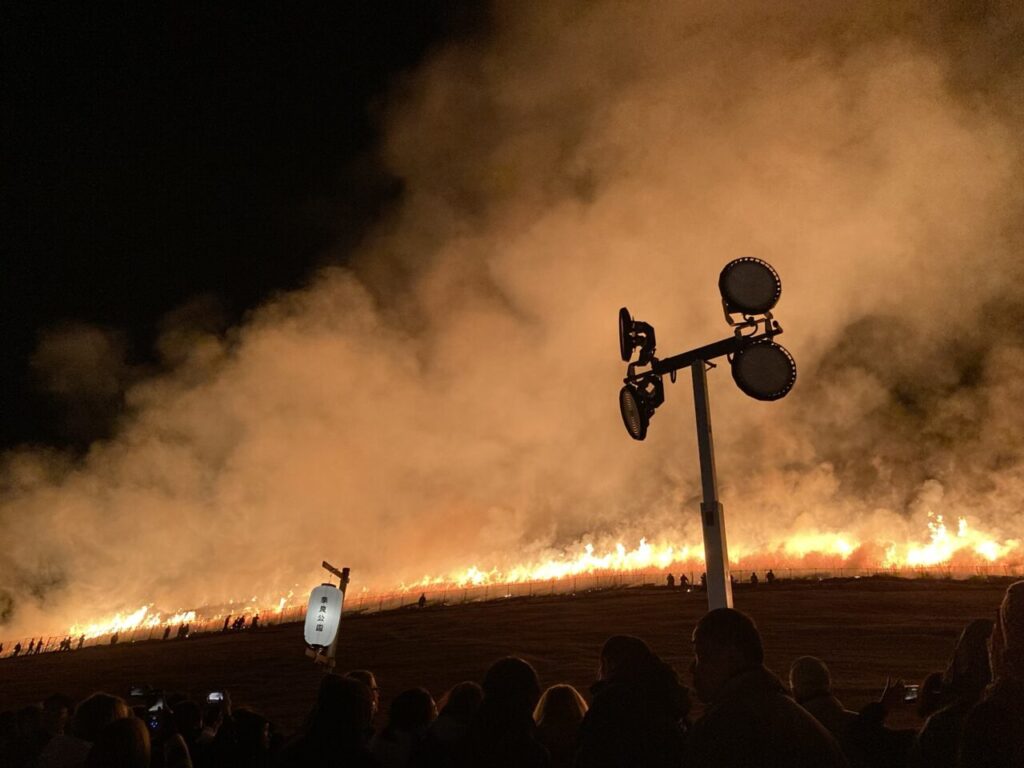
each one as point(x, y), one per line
point(637, 714)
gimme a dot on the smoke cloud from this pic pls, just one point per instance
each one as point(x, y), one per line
point(448, 398)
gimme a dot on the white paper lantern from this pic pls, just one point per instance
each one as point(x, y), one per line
point(323, 615)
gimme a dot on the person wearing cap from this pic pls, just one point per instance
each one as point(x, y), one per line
point(994, 733)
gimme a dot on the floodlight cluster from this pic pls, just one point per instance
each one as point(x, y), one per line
point(761, 368)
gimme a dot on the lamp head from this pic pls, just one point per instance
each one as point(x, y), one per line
point(638, 401)
point(633, 334)
point(749, 286)
point(764, 370)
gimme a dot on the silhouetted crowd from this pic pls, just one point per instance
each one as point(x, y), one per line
point(639, 715)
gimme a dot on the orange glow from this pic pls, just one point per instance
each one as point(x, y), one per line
point(943, 545)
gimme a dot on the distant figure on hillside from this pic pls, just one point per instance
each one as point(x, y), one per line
point(994, 732)
point(749, 720)
point(255, 623)
point(167, 631)
point(423, 600)
point(670, 581)
point(113, 639)
point(704, 581)
point(238, 623)
point(770, 576)
point(39, 645)
point(753, 578)
point(638, 711)
point(17, 649)
point(227, 619)
point(31, 646)
point(683, 580)
point(81, 642)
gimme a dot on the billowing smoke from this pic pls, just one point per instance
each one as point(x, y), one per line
point(449, 398)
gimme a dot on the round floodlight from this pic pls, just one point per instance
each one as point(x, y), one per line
point(625, 335)
point(634, 412)
point(750, 286)
point(764, 370)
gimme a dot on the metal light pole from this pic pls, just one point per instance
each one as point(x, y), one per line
point(761, 368)
point(712, 515)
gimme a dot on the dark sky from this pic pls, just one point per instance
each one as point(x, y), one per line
point(155, 156)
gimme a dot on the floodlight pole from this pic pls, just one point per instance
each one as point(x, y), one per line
point(712, 516)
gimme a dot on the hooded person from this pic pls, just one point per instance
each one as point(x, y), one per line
point(993, 735)
point(749, 719)
point(639, 709)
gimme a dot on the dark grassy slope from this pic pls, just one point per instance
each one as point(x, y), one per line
point(865, 630)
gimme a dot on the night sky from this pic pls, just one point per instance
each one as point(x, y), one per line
point(202, 158)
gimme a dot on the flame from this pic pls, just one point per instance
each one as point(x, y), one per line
point(943, 545)
point(139, 619)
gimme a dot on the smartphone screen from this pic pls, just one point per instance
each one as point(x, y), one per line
point(910, 693)
point(215, 696)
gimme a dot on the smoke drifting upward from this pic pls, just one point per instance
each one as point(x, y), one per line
point(449, 398)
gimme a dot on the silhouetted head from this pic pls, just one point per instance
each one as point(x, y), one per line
point(725, 643)
point(511, 683)
point(188, 718)
point(560, 706)
point(57, 710)
point(622, 652)
point(808, 678)
point(213, 714)
point(252, 732)
point(344, 707)
point(123, 743)
point(367, 678)
point(411, 711)
point(462, 701)
point(931, 695)
point(970, 670)
point(1011, 614)
point(95, 713)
